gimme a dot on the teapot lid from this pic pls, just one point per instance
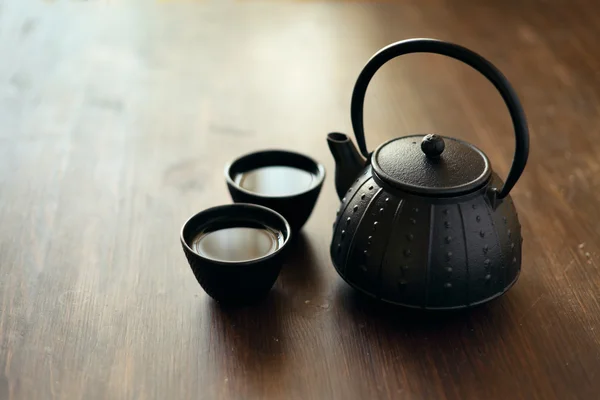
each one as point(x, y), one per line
point(431, 165)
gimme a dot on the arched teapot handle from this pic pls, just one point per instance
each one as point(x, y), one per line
point(468, 57)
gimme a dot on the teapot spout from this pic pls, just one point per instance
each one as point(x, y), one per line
point(348, 162)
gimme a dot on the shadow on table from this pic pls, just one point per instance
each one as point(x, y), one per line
point(251, 336)
point(415, 327)
point(299, 273)
point(429, 350)
point(387, 315)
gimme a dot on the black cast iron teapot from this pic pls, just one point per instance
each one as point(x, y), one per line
point(424, 221)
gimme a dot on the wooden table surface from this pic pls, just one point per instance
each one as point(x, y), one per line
point(118, 116)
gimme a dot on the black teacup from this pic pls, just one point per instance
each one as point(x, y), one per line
point(236, 251)
point(284, 181)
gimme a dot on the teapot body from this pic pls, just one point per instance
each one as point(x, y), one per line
point(427, 226)
point(425, 251)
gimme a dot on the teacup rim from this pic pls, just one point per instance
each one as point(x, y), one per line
point(320, 176)
point(245, 263)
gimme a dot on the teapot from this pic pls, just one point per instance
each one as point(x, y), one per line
point(424, 221)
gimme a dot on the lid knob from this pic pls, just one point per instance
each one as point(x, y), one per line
point(432, 145)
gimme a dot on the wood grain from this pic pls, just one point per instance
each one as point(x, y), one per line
point(117, 117)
